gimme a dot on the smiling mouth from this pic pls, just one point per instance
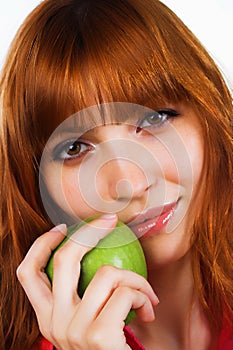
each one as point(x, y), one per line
point(153, 220)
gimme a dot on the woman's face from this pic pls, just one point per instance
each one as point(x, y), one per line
point(143, 164)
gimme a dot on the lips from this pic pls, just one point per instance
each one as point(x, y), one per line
point(152, 221)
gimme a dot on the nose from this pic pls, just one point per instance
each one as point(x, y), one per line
point(126, 171)
point(120, 172)
point(122, 180)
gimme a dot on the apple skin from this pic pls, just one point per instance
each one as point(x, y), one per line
point(120, 248)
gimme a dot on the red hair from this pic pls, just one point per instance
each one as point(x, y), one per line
point(70, 54)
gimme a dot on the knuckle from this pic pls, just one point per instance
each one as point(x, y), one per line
point(107, 271)
point(96, 337)
point(75, 339)
point(44, 332)
point(53, 334)
point(23, 271)
point(39, 240)
point(59, 259)
point(123, 291)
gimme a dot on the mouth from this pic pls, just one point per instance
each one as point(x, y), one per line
point(153, 220)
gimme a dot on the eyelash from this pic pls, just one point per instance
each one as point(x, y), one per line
point(163, 114)
point(65, 146)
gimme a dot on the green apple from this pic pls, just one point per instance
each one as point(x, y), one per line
point(119, 248)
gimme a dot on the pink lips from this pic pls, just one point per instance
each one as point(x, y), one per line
point(152, 221)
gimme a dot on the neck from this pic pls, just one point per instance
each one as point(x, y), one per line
point(178, 309)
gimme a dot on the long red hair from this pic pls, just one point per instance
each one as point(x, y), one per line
point(69, 54)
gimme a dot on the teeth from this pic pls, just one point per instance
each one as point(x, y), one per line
point(168, 216)
point(148, 227)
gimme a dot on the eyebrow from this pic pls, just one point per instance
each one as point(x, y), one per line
point(77, 124)
point(76, 132)
point(84, 121)
point(70, 130)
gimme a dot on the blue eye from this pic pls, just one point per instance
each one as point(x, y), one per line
point(71, 149)
point(156, 118)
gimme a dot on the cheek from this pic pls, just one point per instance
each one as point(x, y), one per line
point(165, 164)
point(182, 156)
point(64, 189)
point(195, 150)
point(170, 167)
point(176, 152)
point(77, 202)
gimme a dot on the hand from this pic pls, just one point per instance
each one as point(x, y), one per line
point(96, 320)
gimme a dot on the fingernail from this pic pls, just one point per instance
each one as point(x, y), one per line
point(108, 216)
point(155, 300)
point(62, 228)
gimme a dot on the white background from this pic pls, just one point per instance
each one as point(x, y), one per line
point(210, 20)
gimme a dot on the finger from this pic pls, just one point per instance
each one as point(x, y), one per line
point(30, 272)
point(110, 320)
point(67, 268)
point(98, 339)
point(102, 286)
point(118, 306)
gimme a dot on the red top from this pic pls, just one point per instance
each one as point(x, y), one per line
point(132, 341)
point(225, 341)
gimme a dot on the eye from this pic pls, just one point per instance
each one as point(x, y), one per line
point(156, 119)
point(71, 149)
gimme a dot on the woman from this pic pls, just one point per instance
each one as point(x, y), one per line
point(71, 58)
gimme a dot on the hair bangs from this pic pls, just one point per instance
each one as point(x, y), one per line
point(99, 55)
